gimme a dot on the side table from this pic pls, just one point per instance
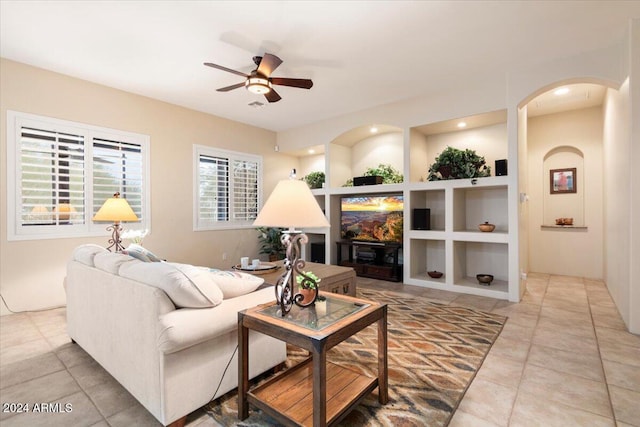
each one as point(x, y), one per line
point(324, 392)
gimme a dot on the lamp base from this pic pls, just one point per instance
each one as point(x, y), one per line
point(115, 241)
point(294, 265)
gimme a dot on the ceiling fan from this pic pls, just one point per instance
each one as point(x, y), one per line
point(260, 80)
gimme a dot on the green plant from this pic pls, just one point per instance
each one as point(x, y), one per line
point(454, 163)
point(271, 243)
point(315, 179)
point(389, 174)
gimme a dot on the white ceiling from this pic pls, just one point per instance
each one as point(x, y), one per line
point(358, 53)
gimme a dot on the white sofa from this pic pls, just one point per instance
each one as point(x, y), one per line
point(137, 320)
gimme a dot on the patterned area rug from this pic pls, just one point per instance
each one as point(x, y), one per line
point(434, 352)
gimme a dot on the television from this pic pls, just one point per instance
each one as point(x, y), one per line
point(372, 218)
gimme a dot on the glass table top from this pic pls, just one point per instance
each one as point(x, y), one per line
point(318, 316)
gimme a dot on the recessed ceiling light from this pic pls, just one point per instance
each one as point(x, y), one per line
point(374, 129)
point(462, 125)
point(311, 151)
point(561, 91)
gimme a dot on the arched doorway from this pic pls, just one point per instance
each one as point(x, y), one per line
point(564, 140)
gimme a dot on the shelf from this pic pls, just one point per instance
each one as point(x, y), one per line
point(427, 255)
point(290, 395)
point(564, 227)
point(475, 205)
point(369, 189)
point(497, 289)
point(471, 258)
point(479, 236)
point(434, 200)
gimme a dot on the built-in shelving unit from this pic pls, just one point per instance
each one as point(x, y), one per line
point(455, 246)
point(451, 242)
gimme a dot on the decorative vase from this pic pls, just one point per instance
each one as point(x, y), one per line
point(486, 227)
point(308, 295)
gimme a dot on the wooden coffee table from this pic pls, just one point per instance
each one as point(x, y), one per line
point(334, 278)
point(315, 392)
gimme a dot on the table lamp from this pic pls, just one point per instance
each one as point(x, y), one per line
point(115, 209)
point(292, 205)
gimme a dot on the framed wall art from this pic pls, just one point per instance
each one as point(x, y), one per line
point(562, 181)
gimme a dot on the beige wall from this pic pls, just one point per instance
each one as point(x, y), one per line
point(368, 152)
point(32, 272)
point(552, 142)
point(617, 145)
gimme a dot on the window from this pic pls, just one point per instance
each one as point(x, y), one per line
point(60, 173)
point(227, 188)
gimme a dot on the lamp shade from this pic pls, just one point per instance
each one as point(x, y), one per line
point(291, 205)
point(115, 209)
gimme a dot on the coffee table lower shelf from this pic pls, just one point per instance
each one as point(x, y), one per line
point(288, 397)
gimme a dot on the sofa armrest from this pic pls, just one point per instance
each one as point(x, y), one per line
point(187, 327)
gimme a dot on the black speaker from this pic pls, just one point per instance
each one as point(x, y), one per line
point(317, 253)
point(501, 167)
point(367, 180)
point(421, 219)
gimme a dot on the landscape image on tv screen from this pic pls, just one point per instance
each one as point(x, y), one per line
point(372, 218)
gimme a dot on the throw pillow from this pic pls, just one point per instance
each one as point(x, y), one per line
point(140, 253)
point(234, 283)
point(187, 286)
point(112, 261)
point(85, 253)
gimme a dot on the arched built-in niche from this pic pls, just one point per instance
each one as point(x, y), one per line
point(354, 151)
point(568, 201)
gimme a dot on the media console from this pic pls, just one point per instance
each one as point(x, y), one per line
point(377, 260)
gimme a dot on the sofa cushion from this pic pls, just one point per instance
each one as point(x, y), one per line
point(183, 328)
point(141, 253)
point(186, 285)
point(235, 283)
point(85, 253)
point(112, 261)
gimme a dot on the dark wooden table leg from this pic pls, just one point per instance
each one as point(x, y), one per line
point(243, 369)
point(383, 379)
point(320, 387)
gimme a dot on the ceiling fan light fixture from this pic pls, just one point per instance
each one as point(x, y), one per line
point(258, 85)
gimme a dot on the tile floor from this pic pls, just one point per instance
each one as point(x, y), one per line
point(563, 359)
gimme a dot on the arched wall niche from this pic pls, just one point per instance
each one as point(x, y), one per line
point(563, 205)
point(353, 152)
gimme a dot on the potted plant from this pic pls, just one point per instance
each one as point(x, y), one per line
point(271, 242)
point(454, 163)
point(389, 174)
point(315, 179)
point(307, 287)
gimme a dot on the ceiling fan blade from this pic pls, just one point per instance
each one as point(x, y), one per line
point(268, 64)
point(232, 87)
point(299, 83)
point(272, 96)
point(229, 70)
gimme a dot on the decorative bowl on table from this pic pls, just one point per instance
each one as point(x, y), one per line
point(564, 221)
point(486, 227)
point(484, 279)
point(435, 274)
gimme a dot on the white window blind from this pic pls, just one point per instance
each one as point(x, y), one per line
point(227, 188)
point(118, 167)
point(51, 177)
point(62, 172)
